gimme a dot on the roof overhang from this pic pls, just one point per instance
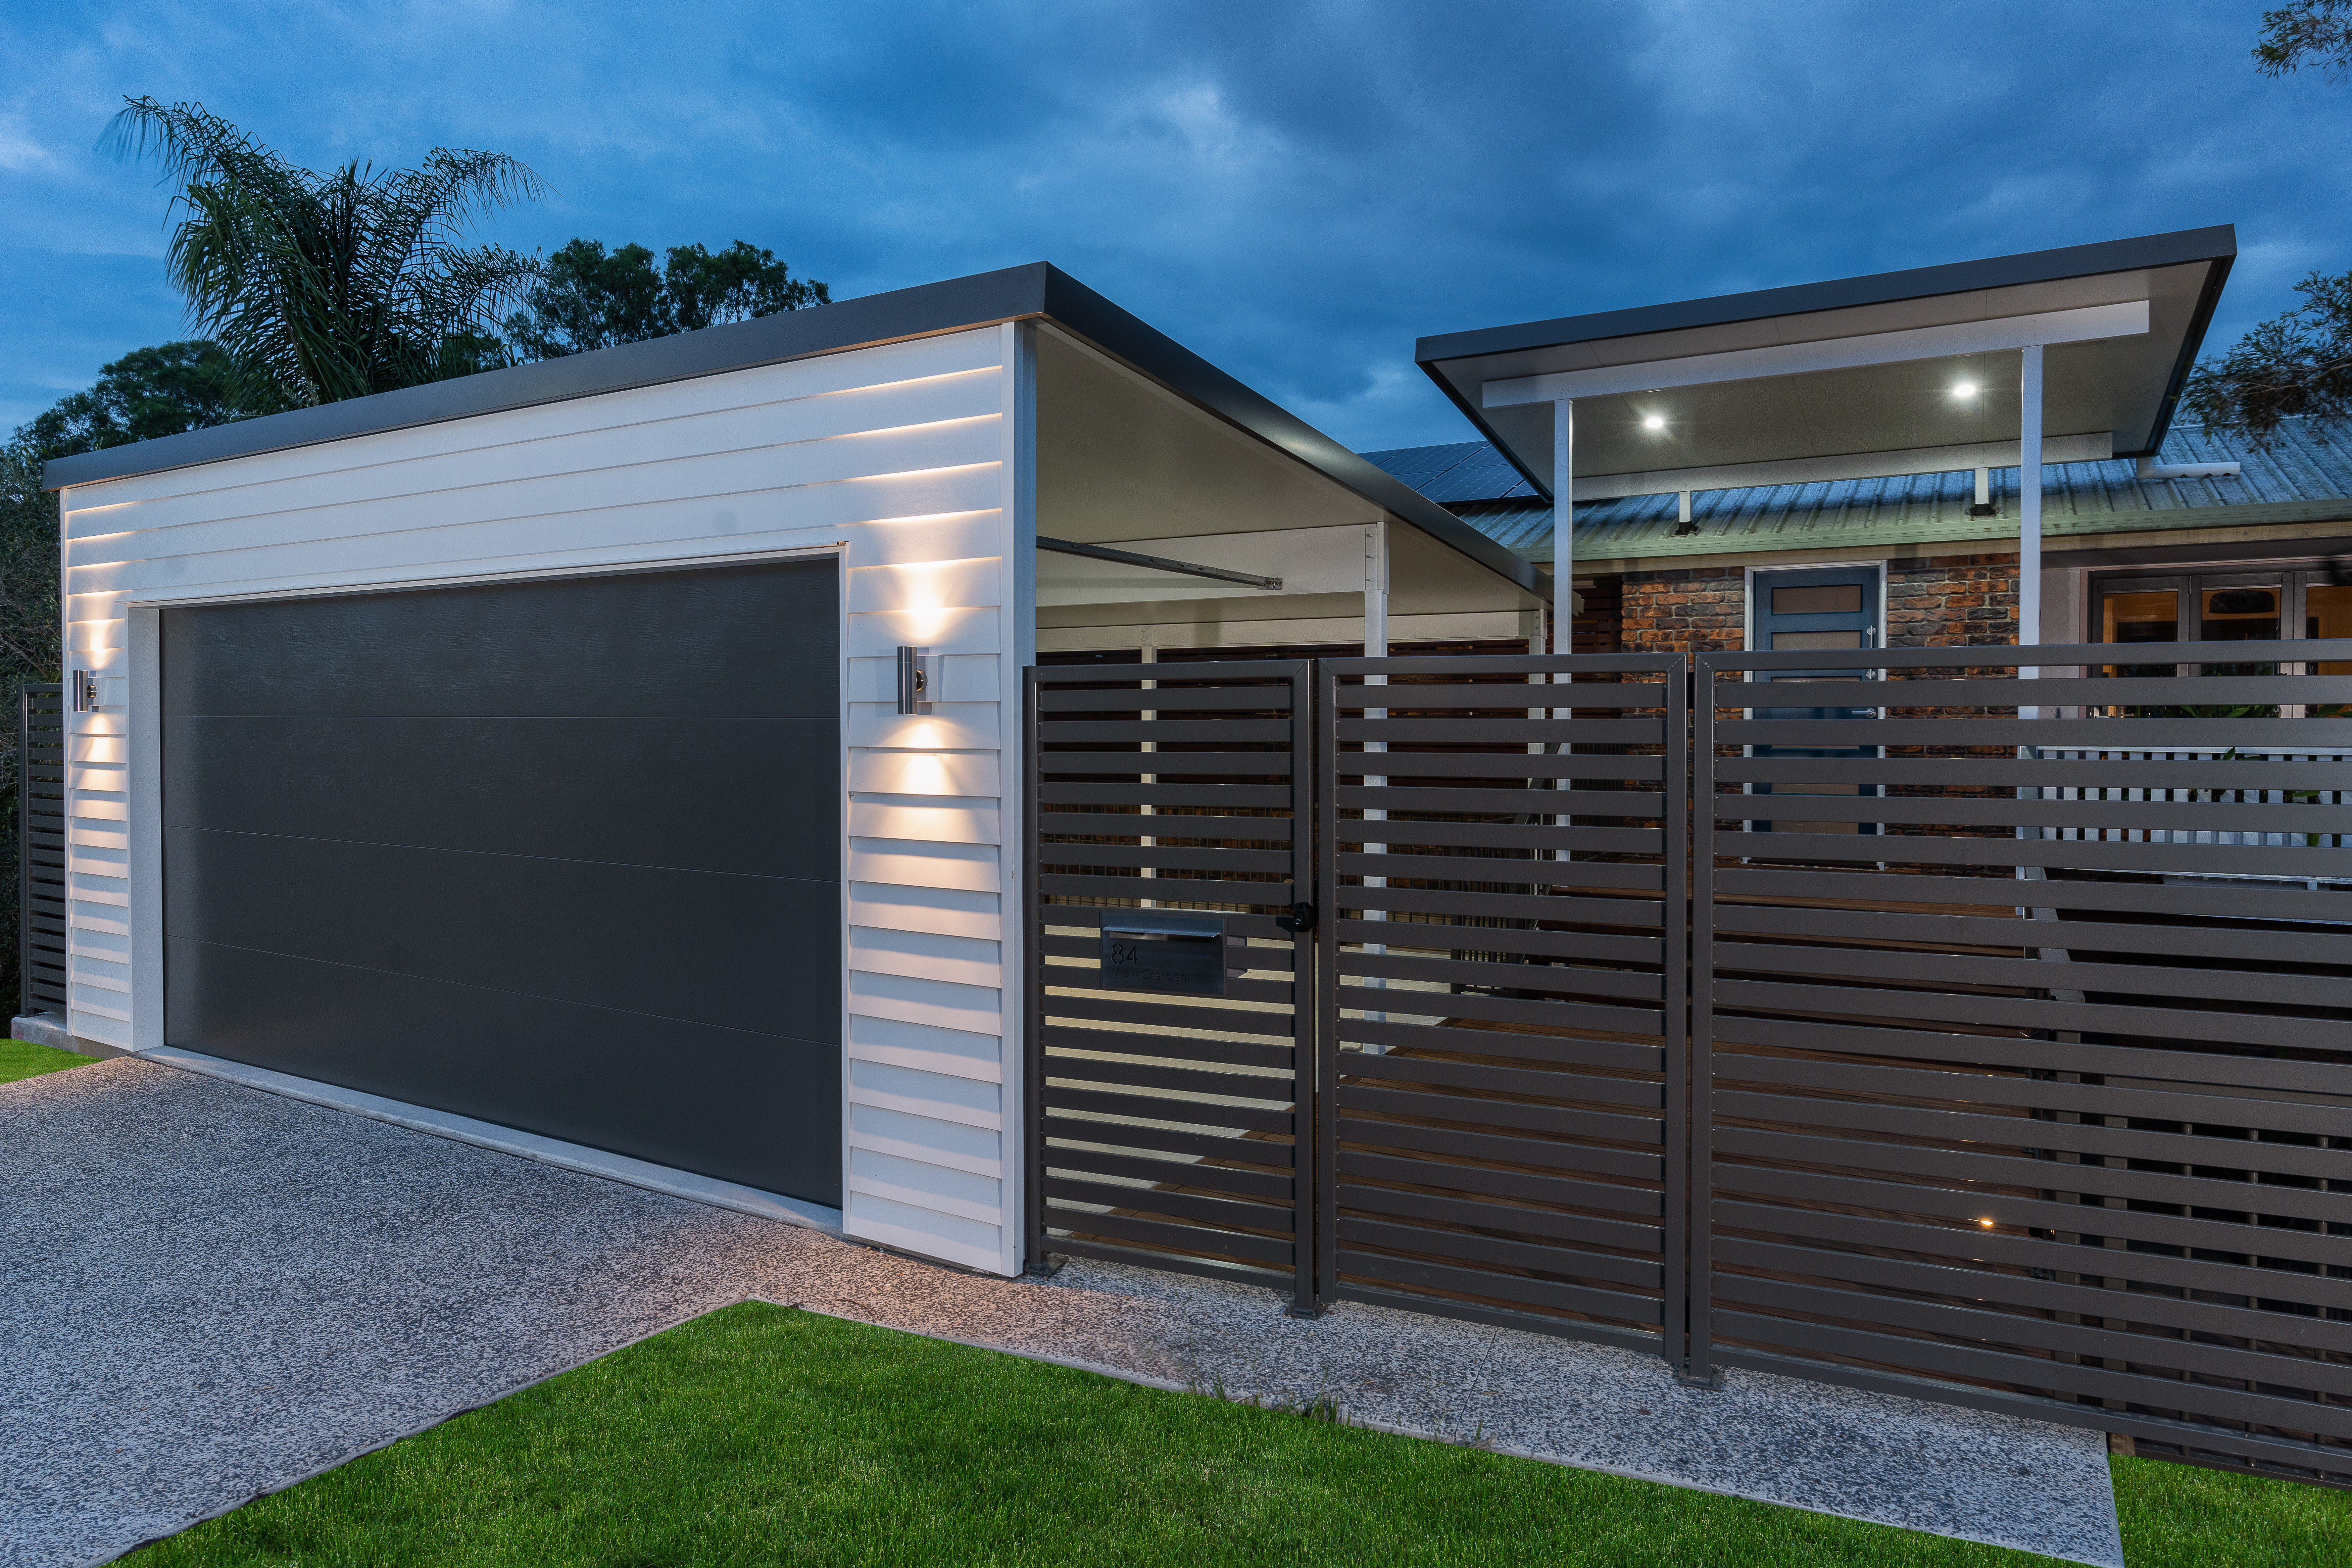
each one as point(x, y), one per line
point(1856, 377)
point(1037, 291)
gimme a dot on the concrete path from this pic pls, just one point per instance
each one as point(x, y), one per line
point(208, 1292)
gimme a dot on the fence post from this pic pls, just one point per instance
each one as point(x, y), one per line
point(1698, 1369)
point(1306, 1052)
point(24, 847)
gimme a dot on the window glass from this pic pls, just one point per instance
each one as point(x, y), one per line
point(2151, 616)
point(1818, 599)
point(2240, 615)
point(2327, 613)
point(1784, 640)
point(2143, 617)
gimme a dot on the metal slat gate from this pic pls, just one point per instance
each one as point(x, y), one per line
point(1502, 990)
point(2018, 1070)
point(41, 848)
point(1165, 1124)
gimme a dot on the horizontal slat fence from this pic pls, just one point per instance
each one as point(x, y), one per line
point(41, 848)
point(2023, 1039)
point(1166, 1128)
point(1502, 1054)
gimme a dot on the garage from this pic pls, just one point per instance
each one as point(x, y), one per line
point(614, 759)
point(561, 854)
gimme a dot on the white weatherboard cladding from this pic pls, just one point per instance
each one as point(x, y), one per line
point(898, 458)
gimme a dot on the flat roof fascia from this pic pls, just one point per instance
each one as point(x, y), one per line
point(1015, 293)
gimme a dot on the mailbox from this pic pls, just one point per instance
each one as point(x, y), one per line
point(1150, 951)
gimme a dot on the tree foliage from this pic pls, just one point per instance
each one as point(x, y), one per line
point(2310, 35)
point(588, 298)
point(333, 285)
point(2299, 364)
point(29, 645)
point(159, 390)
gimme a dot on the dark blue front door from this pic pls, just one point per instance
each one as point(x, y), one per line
point(1823, 607)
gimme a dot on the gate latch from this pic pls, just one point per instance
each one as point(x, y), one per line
point(1299, 920)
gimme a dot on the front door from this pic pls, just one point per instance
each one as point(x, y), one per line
point(1821, 607)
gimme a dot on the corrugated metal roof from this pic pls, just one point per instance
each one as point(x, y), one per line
point(2305, 477)
point(1465, 471)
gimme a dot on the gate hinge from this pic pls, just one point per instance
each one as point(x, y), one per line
point(1299, 920)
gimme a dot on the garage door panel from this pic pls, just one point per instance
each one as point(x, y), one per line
point(717, 794)
point(744, 953)
point(731, 642)
point(562, 855)
point(761, 1109)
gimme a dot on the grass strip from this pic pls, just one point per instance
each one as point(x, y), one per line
point(2179, 1516)
point(763, 1435)
point(22, 1058)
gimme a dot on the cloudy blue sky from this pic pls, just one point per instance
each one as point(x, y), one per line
point(1295, 190)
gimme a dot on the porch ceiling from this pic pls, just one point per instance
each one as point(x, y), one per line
point(1125, 462)
point(1706, 368)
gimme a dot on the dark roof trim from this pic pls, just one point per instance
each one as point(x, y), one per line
point(1015, 293)
point(2218, 243)
point(2208, 300)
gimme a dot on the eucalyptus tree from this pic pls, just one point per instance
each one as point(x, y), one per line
point(335, 284)
point(2297, 364)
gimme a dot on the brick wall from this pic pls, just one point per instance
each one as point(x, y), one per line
point(1690, 610)
point(1599, 621)
point(1951, 601)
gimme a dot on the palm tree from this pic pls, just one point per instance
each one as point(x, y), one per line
point(332, 285)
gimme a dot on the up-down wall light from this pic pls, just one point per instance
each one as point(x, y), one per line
point(914, 680)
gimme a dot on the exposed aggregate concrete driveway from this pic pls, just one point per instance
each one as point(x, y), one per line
point(208, 1291)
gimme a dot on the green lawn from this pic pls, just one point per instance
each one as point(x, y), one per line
point(760, 1435)
point(22, 1058)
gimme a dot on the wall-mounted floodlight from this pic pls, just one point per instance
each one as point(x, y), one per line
point(1965, 389)
point(914, 680)
point(1654, 421)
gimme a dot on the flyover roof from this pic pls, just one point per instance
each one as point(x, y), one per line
point(2109, 391)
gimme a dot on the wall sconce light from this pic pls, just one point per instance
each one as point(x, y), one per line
point(85, 690)
point(914, 680)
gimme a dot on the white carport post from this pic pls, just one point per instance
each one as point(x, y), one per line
point(1563, 559)
point(1563, 525)
point(2028, 499)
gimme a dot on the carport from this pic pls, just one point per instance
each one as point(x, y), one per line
point(542, 748)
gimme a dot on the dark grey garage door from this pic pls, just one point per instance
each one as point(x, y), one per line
point(562, 855)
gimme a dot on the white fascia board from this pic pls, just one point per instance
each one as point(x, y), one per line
point(2092, 447)
point(2121, 320)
